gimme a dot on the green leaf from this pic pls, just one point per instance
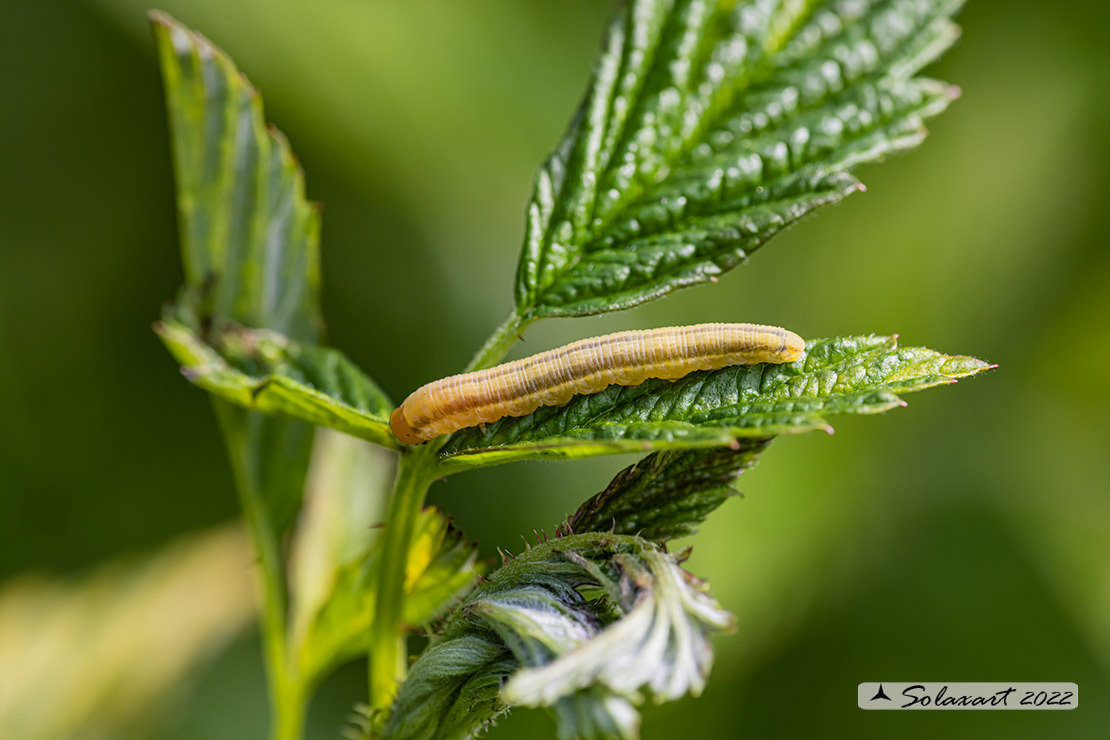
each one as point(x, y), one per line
point(452, 692)
point(250, 246)
point(249, 238)
point(847, 375)
point(710, 127)
point(667, 494)
point(586, 625)
point(264, 371)
point(441, 565)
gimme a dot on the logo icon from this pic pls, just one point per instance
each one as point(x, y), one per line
point(881, 694)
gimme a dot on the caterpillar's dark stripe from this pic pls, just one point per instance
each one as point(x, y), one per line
point(587, 366)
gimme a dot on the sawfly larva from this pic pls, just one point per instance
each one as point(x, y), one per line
point(552, 378)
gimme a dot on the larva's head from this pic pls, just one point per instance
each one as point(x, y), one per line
point(401, 428)
point(793, 347)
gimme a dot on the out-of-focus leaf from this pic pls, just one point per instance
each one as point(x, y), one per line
point(264, 371)
point(441, 565)
point(846, 375)
point(711, 126)
point(97, 657)
point(249, 243)
point(590, 659)
point(667, 494)
point(596, 714)
point(345, 498)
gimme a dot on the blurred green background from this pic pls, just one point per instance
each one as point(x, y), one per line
point(964, 538)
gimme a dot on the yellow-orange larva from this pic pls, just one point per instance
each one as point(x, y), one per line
point(552, 378)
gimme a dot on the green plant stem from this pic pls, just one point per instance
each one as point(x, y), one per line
point(287, 696)
point(499, 342)
point(288, 709)
point(415, 473)
point(387, 655)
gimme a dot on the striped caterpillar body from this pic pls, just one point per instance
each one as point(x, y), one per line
point(552, 378)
